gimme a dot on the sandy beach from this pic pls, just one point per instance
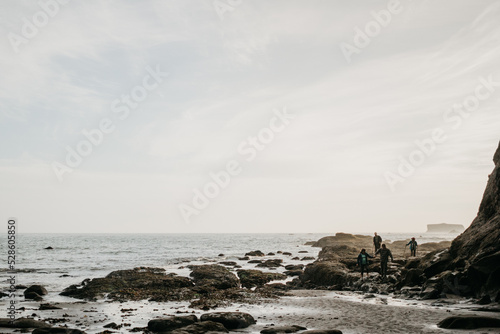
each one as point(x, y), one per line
point(349, 312)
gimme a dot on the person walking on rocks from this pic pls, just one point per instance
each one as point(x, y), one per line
point(377, 240)
point(413, 246)
point(385, 253)
point(363, 262)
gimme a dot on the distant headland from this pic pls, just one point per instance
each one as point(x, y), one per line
point(445, 228)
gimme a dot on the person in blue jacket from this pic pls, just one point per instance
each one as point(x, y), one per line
point(363, 262)
point(413, 246)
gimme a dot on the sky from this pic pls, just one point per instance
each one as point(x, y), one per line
point(239, 116)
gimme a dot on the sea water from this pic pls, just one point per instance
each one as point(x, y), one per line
point(75, 257)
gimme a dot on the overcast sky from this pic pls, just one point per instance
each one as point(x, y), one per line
point(308, 112)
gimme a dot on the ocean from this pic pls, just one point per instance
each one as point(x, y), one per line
point(75, 257)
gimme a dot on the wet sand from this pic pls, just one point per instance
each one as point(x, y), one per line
point(314, 309)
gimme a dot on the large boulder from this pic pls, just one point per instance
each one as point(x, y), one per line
point(213, 275)
point(23, 323)
point(282, 329)
point(255, 253)
point(352, 240)
point(328, 274)
point(38, 289)
point(230, 320)
point(250, 278)
point(469, 322)
point(57, 330)
point(171, 323)
point(201, 328)
point(338, 253)
point(272, 263)
point(135, 284)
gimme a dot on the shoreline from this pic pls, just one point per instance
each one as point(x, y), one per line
point(349, 312)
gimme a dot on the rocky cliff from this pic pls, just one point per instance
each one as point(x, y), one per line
point(477, 250)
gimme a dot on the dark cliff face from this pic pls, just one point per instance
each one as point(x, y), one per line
point(478, 248)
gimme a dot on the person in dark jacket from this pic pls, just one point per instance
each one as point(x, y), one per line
point(377, 240)
point(363, 262)
point(413, 246)
point(385, 253)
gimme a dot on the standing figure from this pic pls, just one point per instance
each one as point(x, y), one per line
point(413, 246)
point(377, 240)
point(363, 262)
point(385, 253)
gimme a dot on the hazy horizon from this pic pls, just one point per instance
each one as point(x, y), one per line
point(246, 116)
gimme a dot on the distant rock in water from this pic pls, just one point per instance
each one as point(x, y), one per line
point(445, 228)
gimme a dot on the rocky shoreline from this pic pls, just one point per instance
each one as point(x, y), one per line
point(466, 269)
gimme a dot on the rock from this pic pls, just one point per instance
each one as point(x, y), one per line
point(214, 275)
point(412, 277)
point(255, 261)
point(250, 278)
point(230, 320)
point(430, 293)
point(3, 294)
point(48, 307)
point(20, 287)
point(33, 295)
point(287, 253)
point(485, 300)
point(324, 274)
point(338, 253)
point(303, 251)
point(271, 254)
point(57, 330)
point(171, 323)
point(322, 331)
point(296, 258)
point(221, 255)
point(135, 284)
point(469, 322)
point(282, 329)
point(201, 327)
point(38, 289)
point(294, 267)
point(307, 258)
point(345, 239)
point(23, 323)
point(112, 325)
point(228, 263)
point(255, 253)
point(245, 258)
point(293, 273)
point(48, 247)
point(436, 262)
point(273, 263)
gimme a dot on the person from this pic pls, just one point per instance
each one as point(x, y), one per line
point(413, 246)
point(377, 240)
point(363, 262)
point(385, 253)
